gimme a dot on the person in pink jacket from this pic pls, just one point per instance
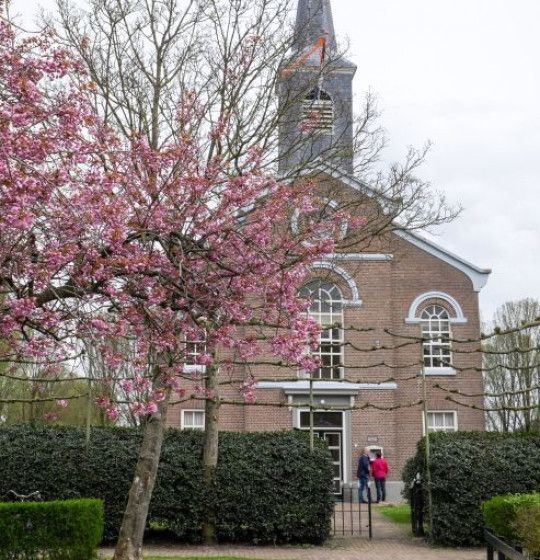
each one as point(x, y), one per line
point(380, 470)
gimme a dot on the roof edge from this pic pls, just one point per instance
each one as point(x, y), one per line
point(478, 276)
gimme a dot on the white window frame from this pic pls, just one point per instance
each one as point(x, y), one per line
point(344, 436)
point(200, 346)
point(332, 317)
point(444, 429)
point(183, 420)
point(433, 327)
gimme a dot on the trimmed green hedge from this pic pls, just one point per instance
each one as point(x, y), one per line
point(270, 488)
point(500, 514)
point(59, 530)
point(468, 468)
point(528, 528)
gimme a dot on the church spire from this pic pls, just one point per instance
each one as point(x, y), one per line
point(313, 21)
point(315, 92)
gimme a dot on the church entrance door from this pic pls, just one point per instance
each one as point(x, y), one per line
point(329, 426)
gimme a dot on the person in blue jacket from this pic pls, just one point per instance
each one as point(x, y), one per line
point(363, 472)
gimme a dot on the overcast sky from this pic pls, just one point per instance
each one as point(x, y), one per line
point(464, 74)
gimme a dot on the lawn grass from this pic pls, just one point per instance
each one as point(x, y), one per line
point(398, 514)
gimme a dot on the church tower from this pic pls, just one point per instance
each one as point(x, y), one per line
point(315, 95)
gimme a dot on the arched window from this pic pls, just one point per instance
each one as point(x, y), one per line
point(435, 322)
point(327, 310)
point(318, 112)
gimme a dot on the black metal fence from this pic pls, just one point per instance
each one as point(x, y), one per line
point(503, 550)
point(352, 518)
point(417, 508)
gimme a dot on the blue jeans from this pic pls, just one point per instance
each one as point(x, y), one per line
point(380, 485)
point(364, 482)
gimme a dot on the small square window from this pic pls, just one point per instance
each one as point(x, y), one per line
point(192, 419)
point(442, 421)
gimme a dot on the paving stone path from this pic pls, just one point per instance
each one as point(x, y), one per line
point(390, 542)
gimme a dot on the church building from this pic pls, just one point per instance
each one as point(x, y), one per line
point(387, 293)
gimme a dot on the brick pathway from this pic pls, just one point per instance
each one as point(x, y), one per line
point(390, 542)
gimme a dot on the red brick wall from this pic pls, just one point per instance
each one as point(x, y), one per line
point(387, 289)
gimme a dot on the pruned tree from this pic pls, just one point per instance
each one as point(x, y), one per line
point(512, 368)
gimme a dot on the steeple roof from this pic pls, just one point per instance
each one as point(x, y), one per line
point(313, 21)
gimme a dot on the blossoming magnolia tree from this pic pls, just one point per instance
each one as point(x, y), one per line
point(109, 240)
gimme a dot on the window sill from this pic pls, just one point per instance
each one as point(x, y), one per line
point(443, 371)
point(194, 368)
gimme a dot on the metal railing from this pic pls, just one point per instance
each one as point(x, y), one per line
point(504, 551)
point(417, 508)
point(352, 518)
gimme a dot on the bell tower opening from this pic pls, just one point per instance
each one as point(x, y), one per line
point(318, 112)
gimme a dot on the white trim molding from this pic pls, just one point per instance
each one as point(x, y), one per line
point(441, 371)
point(478, 276)
point(414, 319)
point(360, 257)
point(355, 300)
point(325, 387)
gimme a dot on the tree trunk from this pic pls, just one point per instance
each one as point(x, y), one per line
point(130, 539)
point(210, 452)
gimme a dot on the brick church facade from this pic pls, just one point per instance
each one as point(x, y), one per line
point(402, 284)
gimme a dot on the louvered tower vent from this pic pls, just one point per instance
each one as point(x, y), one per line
point(318, 112)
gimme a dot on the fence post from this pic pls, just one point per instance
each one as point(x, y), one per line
point(369, 513)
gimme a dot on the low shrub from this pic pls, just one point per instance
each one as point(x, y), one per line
point(468, 468)
point(500, 514)
point(59, 530)
point(528, 528)
point(270, 487)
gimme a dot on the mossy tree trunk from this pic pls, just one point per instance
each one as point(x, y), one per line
point(130, 540)
point(210, 452)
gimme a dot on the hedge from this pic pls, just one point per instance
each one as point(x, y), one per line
point(528, 528)
point(270, 487)
point(468, 468)
point(58, 530)
point(500, 514)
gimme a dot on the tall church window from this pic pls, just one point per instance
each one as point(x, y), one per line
point(327, 310)
point(317, 112)
point(437, 351)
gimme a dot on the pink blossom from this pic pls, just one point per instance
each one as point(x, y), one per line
point(151, 407)
point(158, 395)
point(61, 403)
point(66, 215)
point(99, 325)
point(127, 385)
point(103, 402)
point(112, 413)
